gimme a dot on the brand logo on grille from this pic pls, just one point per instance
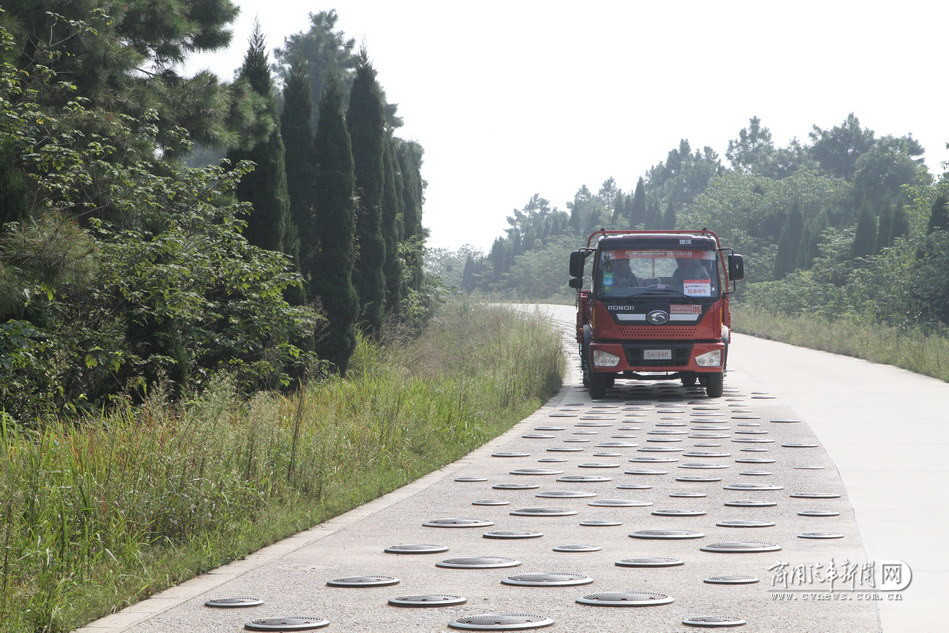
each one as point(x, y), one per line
point(621, 308)
point(658, 317)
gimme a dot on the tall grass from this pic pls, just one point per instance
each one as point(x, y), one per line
point(909, 348)
point(100, 514)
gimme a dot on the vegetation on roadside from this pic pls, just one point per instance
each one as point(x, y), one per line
point(914, 349)
point(99, 514)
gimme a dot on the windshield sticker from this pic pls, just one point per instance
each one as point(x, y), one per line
point(697, 288)
point(607, 279)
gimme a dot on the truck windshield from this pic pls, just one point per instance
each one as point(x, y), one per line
point(622, 273)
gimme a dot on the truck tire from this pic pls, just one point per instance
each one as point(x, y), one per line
point(599, 383)
point(584, 366)
point(714, 385)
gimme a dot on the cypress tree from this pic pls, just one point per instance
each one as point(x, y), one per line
point(366, 122)
point(331, 267)
point(619, 204)
point(789, 244)
point(865, 237)
point(413, 235)
point(669, 219)
point(268, 225)
point(884, 236)
point(900, 224)
point(391, 230)
point(638, 210)
point(300, 163)
point(467, 277)
point(939, 217)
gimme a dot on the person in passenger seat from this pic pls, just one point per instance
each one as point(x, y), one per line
point(688, 268)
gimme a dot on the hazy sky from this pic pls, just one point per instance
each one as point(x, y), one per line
point(521, 97)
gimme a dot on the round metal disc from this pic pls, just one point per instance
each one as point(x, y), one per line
point(597, 465)
point(577, 548)
point(800, 445)
point(620, 503)
point(820, 535)
point(785, 421)
point(607, 454)
point(576, 441)
point(703, 465)
point(755, 473)
point(809, 467)
point(650, 562)
point(713, 620)
point(731, 580)
point(458, 523)
point(633, 487)
point(550, 428)
point(470, 479)
point(543, 512)
point(815, 495)
point(616, 445)
point(818, 513)
point(755, 460)
point(699, 479)
point(533, 436)
point(645, 471)
point(516, 486)
point(716, 454)
point(490, 502)
point(667, 534)
point(427, 600)
point(659, 449)
point(552, 460)
point(745, 523)
point(233, 603)
point(565, 494)
point(676, 512)
point(753, 440)
point(416, 549)
point(292, 623)
point(751, 503)
point(600, 523)
point(688, 494)
point(363, 581)
point(478, 562)
point(740, 547)
point(511, 454)
point(536, 471)
point(744, 486)
point(501, 622)
point(625, 599)
point(653, 460)
point(709, 436)
point(512, 534)
point(564, 449)
point(547, 580)
point(584, 478)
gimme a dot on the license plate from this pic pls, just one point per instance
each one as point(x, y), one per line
point(657, 354)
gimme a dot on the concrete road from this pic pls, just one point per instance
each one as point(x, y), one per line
point(862, 453)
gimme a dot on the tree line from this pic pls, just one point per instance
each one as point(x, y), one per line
point(846, 223)
point(133, 258)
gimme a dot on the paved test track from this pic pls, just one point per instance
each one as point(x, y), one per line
point(881, 427)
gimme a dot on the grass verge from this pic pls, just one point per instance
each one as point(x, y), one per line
point(908, 348)
point(98, 515)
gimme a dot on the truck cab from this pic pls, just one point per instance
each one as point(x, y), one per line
point(657, 307)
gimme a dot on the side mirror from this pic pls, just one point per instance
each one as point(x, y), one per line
point(576, 282)
point(736, 267)
point(577, 259)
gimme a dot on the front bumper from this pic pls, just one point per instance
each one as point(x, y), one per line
point(633, 356)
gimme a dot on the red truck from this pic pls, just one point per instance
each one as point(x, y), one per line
point(657, 308)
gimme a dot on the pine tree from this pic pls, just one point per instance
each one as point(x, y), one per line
point(300, 163)
point(268, 225)
point(619, 205)
point(638, 211)
point(789, 244)
point(865, 237)
point(467, 277)
point(331, 268)
point(939, 217)
point(413, 235)
point(392, 229)
point(669, 219)
point(884, 237)
point(366, 122)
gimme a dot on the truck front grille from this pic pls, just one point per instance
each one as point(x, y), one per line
point(661, 331)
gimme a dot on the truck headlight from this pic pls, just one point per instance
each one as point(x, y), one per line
point(709, 359)
point(604, 359)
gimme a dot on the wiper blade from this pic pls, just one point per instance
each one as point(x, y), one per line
point(664, 293)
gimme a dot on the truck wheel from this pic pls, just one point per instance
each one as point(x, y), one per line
point(584, 366)
point(688, 380)
point(599, 383)
point(714, 385)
